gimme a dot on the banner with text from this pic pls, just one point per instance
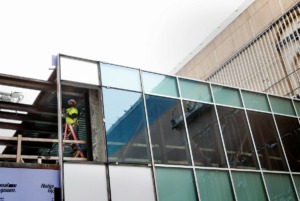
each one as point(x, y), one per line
point(18, 184)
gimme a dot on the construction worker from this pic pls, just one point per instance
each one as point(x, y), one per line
point(71, 115)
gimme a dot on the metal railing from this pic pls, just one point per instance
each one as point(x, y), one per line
point(39, 159)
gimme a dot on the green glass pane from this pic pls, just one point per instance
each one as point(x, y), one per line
point(226, 96)
point(282, 105)
point(195, 90)
point(160, 84)
point(255, 101)
point(119, 76)
point(297, 105)
point(175, 184)
point(248, 186)
point(297, 182)
point(280, 187)
point(214, 185)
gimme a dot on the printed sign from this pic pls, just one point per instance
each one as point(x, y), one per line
point(19, 184)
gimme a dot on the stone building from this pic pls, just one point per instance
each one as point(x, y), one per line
point(258, 50)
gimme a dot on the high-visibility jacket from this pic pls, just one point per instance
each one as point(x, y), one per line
point(72, 115)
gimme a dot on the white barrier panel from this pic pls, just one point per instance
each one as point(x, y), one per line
point(85, 182)
point(19, 184)
point(79, 71)
point(131, 183)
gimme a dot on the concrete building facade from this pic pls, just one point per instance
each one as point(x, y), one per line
point(258, 50)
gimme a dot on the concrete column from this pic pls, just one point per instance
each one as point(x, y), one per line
point(97, 126)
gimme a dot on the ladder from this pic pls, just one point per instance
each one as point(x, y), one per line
point(70, 131)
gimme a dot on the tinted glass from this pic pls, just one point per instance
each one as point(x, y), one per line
point(175, 184)
point(79, 71)
point(297, 182)
point(282, 105)
point(256, 101)
point(266, 140)
point(214, 185)
point(297, 106)
point(120, 77)
point(167, 130)
point(124, 182)
point(280, 187)
point(226, 96)
point(195, 90)
point(248, 186)
point(237, 138)
point(125, 123)
point(160, 84)
point(289, 130)
point(204, 134)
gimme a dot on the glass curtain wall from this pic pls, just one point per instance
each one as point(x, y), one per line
point(198, 141)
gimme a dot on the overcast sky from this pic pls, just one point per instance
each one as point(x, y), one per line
point(155, 35)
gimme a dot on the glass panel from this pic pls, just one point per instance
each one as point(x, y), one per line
point(195, 90)
point(85, 182)
point(227, 96)
point(124, 182)
point(289, 130)
point(282, 105)
point(175, 184)
point(160, 84)
point(280, 187)
point(237, 138)
point(266, 140)
point(248, 186)
point(167, 130)
point(297, 106)
point(73, 70)
point(256, 101)
point(204, 134)
point(214, 185)
point(118, 76)
point(297, 182)
point(125, 122)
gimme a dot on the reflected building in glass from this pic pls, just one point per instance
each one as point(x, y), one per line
point(169, 138)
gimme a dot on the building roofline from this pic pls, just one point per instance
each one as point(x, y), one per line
point(212, 35)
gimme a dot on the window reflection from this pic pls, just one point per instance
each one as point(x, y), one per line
point(204, 134)
point(282, 105)
point(125, 126)
point(248, 186)
point(160, 84)
point(266, 140)
point(280, 187)
point(289, 130)
point(167, 131)
point(175, 184)
point(297, 182)
point(239, 146)
point(113, 76)
point(195, 90)
point(256, 101)
point(226, 96)
point(214, 185)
